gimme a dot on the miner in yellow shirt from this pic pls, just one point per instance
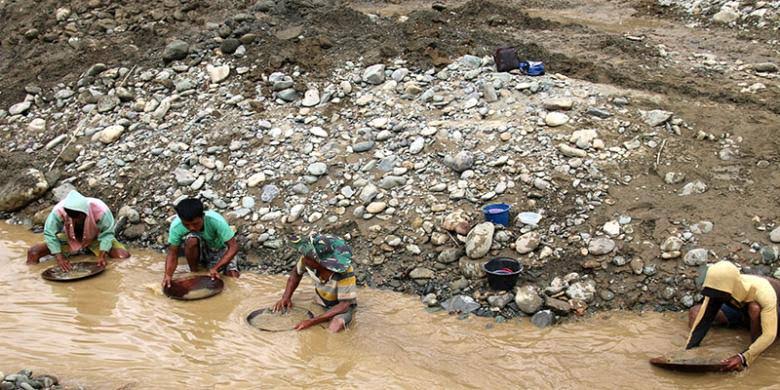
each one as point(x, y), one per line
point(737, 300)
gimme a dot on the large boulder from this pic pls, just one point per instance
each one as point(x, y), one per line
point(583, 291)
point(460, 162)
point(527, 299)
point(774, 235)
point(696, 257)
point(457, 221)
point(528, 242)
point(22, 188)
point(479, 240)
point(374, 74)
point(471, 269)
point(543, 319)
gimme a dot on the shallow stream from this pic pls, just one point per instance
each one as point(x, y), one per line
point(117, 329)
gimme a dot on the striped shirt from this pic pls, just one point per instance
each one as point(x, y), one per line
point(339, 287)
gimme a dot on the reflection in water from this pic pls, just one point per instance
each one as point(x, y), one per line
point(117, 329)
point(89, 315)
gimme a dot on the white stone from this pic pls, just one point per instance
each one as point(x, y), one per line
point(311, 98)
point(345, 87)
point(272, 216)
point(37, 125)
point(774, 236)
point(583, 138)
point(528, 242)
point(672, 244)
point(318, 132)
point(695, 187)
point(555, 119)
point(62, 13)
point(218, 73)
point(612, 228)
point(570, 151)
point(601, 246)
point(109, 134)
point(376, 207)
point(56, 141)
point(295, 212)
point(314, 217)
point(255, 179)
point(198, 183)
point(19, 108)
point(417, 145)
point(379, 123)
point(725, 16)
point(162, 108)
point(317, 169)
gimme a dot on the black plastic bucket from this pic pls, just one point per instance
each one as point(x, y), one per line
point(502, 272)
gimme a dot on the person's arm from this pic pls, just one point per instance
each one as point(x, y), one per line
point(709, 309)
point(170, 264)
point(346, 294)
point(230, 253)
point(768, 331)
point(106, 237)
point(53, 226)
point(337, 309)
point(175, 234)
point(292, 283)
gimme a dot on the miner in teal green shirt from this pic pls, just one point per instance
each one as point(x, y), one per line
point(78, 224)
point(204, 238)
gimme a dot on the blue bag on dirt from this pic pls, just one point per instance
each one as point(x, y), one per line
point(532, 68)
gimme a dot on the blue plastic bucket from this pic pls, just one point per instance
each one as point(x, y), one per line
point(497, 213)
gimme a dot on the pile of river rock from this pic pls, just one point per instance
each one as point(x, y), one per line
point(760, 14)
point(25, 380)
point(405, 158)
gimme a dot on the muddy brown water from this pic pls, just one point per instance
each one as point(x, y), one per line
point(117, 329)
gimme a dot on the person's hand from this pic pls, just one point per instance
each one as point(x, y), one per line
point(101, 259)
point(64, 263)
point(304, 324)
point(166, 282)
point(733, 363)
point(214, 273)
point(283, 305)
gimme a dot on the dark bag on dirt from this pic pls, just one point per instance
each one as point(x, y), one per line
point(506, 59)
